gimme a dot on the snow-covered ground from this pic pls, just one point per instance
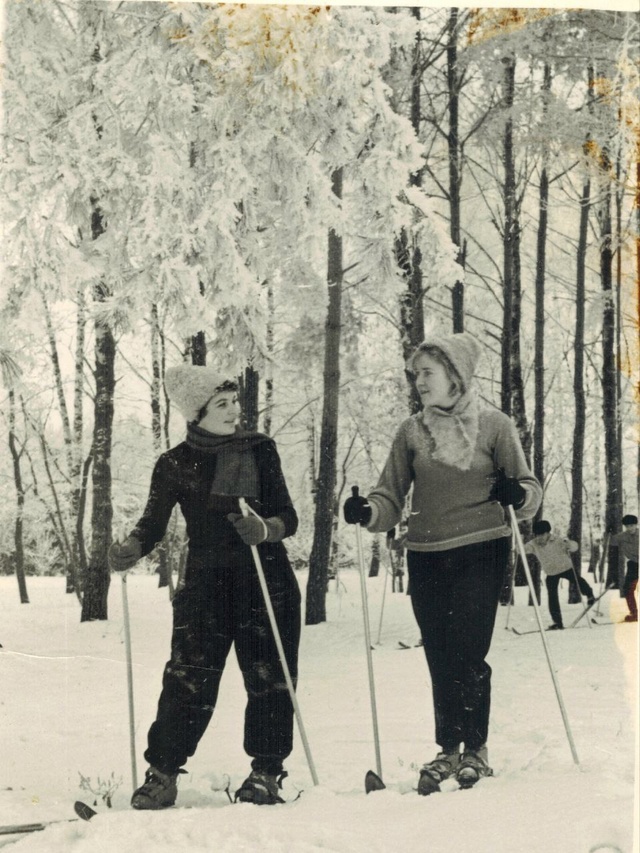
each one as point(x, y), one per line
point(64, 715)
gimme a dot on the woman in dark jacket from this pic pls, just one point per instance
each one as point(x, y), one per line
point(221, 602)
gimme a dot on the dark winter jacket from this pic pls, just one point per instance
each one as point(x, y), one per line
point(183, 475)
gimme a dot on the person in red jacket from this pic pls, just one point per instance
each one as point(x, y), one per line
point(221, 603)
point(463, 464)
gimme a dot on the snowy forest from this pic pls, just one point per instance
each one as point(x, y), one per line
point(297, 195)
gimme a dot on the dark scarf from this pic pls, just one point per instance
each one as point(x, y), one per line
point(236, 471)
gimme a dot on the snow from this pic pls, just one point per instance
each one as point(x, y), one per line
point(65, 713)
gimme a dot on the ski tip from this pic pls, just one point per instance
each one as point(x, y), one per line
point(84, 811)
point(372, 782)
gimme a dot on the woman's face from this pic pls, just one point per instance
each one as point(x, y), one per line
point(222, 415)
point(433, 382)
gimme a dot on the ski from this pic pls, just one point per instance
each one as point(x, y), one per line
point(528, 631)
point(594, 622)
point(407, 646)
point(588, 607)
point(23, 828)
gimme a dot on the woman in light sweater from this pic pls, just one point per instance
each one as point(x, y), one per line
point(465, 465)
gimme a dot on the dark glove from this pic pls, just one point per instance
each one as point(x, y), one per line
point(507, 491)
point(124, 555)
point(250, 529)
point(357, 509)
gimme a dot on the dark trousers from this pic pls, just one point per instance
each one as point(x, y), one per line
point(630, 584)
point(218, 607)
point(552, 582)
point(455, 597)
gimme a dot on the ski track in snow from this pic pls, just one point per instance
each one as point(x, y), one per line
point(64, 713)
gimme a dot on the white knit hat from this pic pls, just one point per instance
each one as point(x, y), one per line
point(191, 386)
point(462, 350)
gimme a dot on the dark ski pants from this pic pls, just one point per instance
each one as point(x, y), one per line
point(552, 582)
point(218, 607)
point(629, 588)
point(455, 597)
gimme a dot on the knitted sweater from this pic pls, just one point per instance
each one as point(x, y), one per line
point(554, 555)
point(450, 507)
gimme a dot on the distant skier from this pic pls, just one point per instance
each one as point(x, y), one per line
point(627, 541)
point(221, 603)
point(465, 464)
point(553, 554)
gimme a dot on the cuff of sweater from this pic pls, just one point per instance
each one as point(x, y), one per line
point(371, 524)
point(275, 529)
point(530, 505)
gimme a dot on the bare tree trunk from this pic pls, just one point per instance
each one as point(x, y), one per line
point(198, 343)
point(517, 381)
point(325, 495)
point(541, 272)
point(455, 163)
point(512, 392)
point(575, 521)
point(82, 506)
point(17, 478)
point(374, 565)
point(509, 237)
point(268, 385)
point(613, 505)
point(618, 321)
point(97, 578)
point(249, 384)
point(77, 479)
point(409, 256)
point(164, 567)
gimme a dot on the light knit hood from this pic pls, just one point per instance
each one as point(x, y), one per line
point(454, 431)
point(462, 350)
point(191, 386)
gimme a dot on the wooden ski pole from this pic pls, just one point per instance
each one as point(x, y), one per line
point(245, 509)
point(367, 639)
point(523, 555)
point(384, 589)
point(127, 643)
point(512, 578)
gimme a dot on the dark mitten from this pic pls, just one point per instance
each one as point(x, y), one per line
point(357, 509)
point(250, 529)
point(507, 490)
point(124, 555)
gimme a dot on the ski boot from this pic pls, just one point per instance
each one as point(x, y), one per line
point(473, 766)
point(159, 790)
point(436, 771)
point(261, 789)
